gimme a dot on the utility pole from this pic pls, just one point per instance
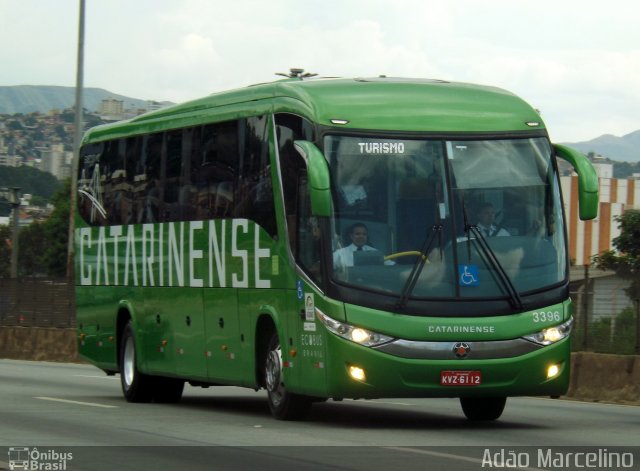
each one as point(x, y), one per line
point(585, 308)
point(637, 303)
point(77, 138)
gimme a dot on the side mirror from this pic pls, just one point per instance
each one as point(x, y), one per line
point(318, 173)
point(587, 181)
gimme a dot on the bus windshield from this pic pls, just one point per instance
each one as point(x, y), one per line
point(427, 218)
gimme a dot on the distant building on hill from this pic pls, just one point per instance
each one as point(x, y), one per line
point(112, 109)
point(57, 161)
point(154, 105)
point(10, 160)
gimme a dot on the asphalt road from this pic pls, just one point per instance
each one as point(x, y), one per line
point(70, 408)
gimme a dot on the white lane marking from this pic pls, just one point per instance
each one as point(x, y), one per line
point(67, 401)
point(95, 376)
point(449, 456)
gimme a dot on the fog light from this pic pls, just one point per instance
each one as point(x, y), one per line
point(357, 373)
point(553, 371)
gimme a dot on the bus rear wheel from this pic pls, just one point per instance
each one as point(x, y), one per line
point(136, 386)
point(283, 404)
point(483, 408)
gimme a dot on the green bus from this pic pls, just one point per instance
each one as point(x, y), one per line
point(325, 239)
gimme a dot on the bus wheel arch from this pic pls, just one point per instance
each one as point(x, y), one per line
point(123, 318)
point(265, 327)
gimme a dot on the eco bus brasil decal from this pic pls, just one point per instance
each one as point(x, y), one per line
point(216, 253)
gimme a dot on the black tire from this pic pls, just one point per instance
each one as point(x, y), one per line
point(167, 390)
point(136, 386)
point(483, 408)
point(283, 405)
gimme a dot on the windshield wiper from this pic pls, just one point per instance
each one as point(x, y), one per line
point(491, 258)
point(419, 265)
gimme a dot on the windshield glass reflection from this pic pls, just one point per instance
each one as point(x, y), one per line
point(390, 195)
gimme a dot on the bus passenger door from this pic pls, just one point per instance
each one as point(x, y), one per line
point(222, 343)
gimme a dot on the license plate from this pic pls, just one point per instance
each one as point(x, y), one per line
point(460, 378)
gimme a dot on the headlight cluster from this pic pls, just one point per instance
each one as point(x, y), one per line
point(551, 334)
point(355, 334)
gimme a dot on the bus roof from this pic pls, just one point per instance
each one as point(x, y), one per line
point(381, 103)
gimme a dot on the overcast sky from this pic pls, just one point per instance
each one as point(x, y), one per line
point(578, 61)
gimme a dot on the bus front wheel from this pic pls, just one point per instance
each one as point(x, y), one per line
point(136, 386)
point(284, 405)
point(483, 408)
point(167, 390)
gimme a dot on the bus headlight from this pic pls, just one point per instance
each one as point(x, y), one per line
point(355, 334)
point(551, 334)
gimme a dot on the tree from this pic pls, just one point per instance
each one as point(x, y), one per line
point(625, 261)
point(60, 131)
point(37, 200)
point(14, 125)
point(31, 120)
point(5, 207)
point(56, 232)
point(30, 180)
point(32, 247)
point(43, 246)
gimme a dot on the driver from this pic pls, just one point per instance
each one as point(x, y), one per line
point(359, 234)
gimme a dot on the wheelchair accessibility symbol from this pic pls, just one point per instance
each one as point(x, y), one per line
point(468, 275)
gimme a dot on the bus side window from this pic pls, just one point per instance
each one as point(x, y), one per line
point(219, 168)
point(255, 187)
point(148, 175)
point(91, 180)
point(290, 128)
point(137, 171)
point(308, 237)
point(191, 187)
point(120, 199)
point(173, 172)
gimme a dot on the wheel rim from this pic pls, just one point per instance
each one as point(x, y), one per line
point(128, 362)
point(273, 374)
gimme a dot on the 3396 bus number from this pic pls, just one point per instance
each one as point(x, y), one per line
point(550, 316)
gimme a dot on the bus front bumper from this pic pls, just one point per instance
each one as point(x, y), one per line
point(354, 371)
